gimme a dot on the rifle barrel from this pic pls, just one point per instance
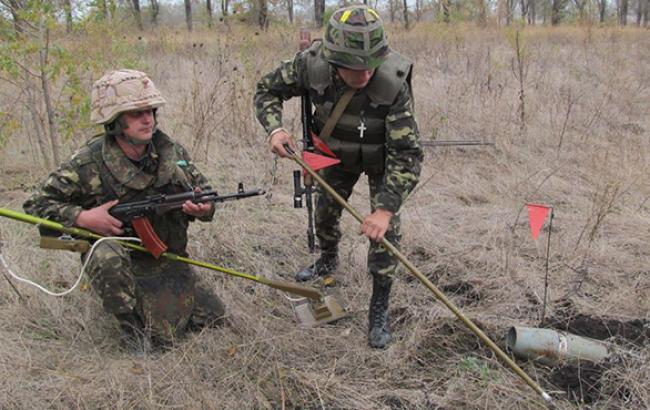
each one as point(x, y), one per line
point(453, 143)
point(162, 203)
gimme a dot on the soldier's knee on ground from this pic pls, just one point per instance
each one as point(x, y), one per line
point(209, 310)
point(110, 273)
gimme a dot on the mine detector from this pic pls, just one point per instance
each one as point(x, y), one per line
point(319, 308)
point(423, 279)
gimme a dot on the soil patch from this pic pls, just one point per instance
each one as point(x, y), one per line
point(636, 331)
point(580, 381)
point(583, 382)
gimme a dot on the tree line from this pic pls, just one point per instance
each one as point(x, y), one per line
point(146, 13)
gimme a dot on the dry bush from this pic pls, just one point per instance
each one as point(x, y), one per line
point(583, 150)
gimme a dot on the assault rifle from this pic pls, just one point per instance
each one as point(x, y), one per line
point(137, 213)
point(454, 143)
point(308, 145)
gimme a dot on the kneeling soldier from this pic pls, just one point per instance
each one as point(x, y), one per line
point(131, 160)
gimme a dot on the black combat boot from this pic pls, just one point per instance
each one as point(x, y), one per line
point(325, 265)
point(378, 334)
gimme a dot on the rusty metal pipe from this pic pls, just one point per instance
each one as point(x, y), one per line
point(553, 347)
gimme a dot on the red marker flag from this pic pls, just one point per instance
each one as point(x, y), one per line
point(320, 145)
point(318, 161)
point(536, 216)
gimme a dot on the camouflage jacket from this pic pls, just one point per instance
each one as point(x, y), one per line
point(99, 172)
point(402, 150)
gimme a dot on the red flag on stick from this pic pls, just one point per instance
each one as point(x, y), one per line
point(318, 161)
point(320, 145)
point(536, 216)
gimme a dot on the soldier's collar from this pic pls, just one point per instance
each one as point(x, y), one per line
point(126, 172)
point(165, 149)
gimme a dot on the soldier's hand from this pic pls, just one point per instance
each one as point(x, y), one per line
point(197, 210)
point(278, 139)
point(376, 224)
point(100, 221)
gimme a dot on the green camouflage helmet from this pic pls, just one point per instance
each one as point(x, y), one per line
point(355, 38)
point(120, 91)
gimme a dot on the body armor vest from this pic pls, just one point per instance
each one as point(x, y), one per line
point(365, 114)
point(127, 182)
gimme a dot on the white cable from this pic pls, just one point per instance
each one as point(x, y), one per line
point(83, 268)
point(290, 299)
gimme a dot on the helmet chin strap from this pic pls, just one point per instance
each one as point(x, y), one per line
point(117, 127)
point(133, 141)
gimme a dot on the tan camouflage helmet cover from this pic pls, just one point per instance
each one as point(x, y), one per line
point(120, 91)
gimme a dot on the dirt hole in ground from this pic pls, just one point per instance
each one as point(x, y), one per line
point(584, 382)
point(636, 331)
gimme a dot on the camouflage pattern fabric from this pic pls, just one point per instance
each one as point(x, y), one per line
point(355, 38)
point(328, 214)
point(160, 292)
point(403, 151)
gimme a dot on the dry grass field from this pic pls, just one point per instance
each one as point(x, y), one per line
point(582, 147)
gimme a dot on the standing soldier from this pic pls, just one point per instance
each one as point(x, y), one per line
point(129, 161)
point(375, 133)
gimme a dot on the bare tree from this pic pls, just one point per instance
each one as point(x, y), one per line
point(510, 9)
point(419, 9)
point(208, 6)
point(103, 8)
point(155, 11)
point(646, 11)
point(224, 7)
point(602, 10)
point(262, 11)
point(188, 14)
point(580, 6)
point(319, 12)
point(15, 7)
point(406, 15)
point(446, 16)
point(43, 55)
point(622, 12)
point(557, 9)
point(290, 10)
point(392, 9)
point(523, 5)
point(67, 10)
point(135, 4)
point(639, 11)
point(532, 12)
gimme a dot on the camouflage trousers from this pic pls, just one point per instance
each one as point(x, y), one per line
point(162, 293)
point(327, 218)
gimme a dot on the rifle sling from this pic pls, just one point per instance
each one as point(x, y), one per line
point(340, 106)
